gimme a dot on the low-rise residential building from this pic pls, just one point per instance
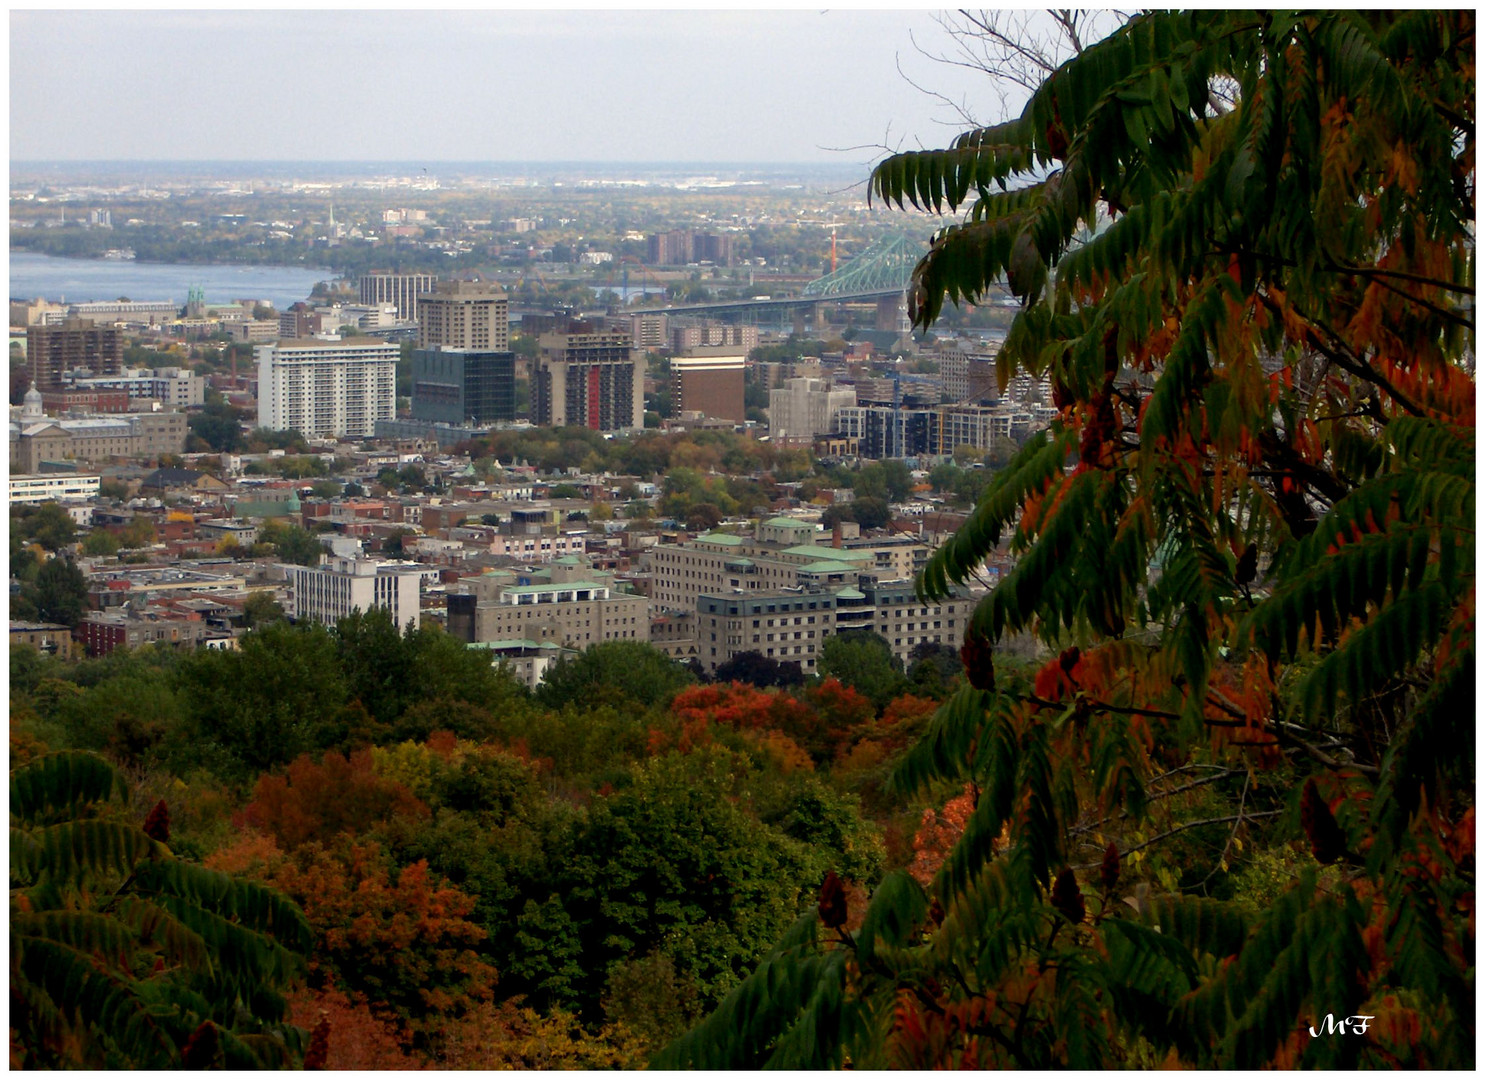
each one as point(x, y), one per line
point(102, 632)
point(53, 639)
point(338, 586)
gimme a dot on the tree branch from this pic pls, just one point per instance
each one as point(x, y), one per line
point(1189, 825)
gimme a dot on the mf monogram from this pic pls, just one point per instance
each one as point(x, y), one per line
point(1351, 1025)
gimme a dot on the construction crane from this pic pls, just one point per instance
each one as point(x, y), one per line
point(832, 226)
point(624, 261)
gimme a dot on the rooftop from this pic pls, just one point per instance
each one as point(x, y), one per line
point(830, 554)
point(720, 538)
point(549, 587)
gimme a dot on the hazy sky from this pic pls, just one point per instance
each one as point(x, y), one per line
point(608, 85)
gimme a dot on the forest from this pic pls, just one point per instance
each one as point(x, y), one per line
point(478, 871)
point(1223, 819)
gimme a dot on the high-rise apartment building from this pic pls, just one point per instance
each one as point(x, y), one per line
point(71, 345)
point(648, 330)
point(327, 389)
point(464, 315)
point(400, 289)
point(967, 373)
point(590, 380)
point(463, 369)
point(711, 384)
point(681, 246)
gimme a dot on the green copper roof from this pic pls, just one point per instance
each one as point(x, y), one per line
point(849, 594)
point(788, 521)
point(826, 566)
point(820, 551)
point(719, 538)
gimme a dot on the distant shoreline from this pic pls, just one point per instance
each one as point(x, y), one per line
point(81, 280)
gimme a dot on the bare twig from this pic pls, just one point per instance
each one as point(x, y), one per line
point(1183, 828)
point(1242, 799)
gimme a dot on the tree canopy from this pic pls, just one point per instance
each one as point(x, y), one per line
point(122, 955)
point(1243, 247)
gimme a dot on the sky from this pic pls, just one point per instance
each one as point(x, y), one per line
point(816, 86)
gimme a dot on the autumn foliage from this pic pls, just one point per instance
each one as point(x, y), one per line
point(320, 801)
point(399, 940)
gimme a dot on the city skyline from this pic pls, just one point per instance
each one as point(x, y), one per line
point(805, 86)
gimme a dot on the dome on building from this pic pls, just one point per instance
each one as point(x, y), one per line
point(31, 404)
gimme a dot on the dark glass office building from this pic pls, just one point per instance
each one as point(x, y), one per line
point(454, 385)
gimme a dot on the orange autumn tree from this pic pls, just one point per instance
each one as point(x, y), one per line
point(1243, 247)
point(321, 800)
point(827, 718)
point(396, 941)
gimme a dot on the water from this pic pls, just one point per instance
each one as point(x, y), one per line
point(82, 280)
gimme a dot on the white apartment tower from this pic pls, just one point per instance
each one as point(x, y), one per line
point(327, 389)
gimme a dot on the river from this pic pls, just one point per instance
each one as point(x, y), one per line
point(80, 280)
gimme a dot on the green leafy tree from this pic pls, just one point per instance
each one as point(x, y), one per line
point(672, 865)
point(140, 532)
point(863, 661)
point(100, 542)
point(1243, 245)
point(291, 543)
point(617, 671)
point(279, 695)
point(217, 427)
point(48, 525)
point(122, 956)
point(58, 593)
point(260, 609)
